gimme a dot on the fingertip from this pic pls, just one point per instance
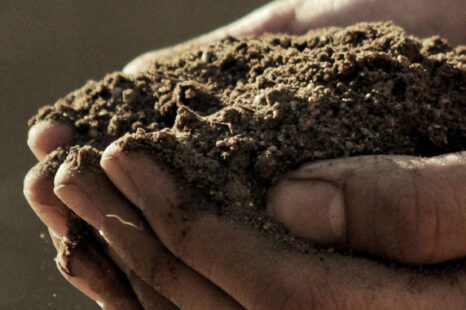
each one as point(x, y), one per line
point(46, 136)
point(64, 175)
point(116, 166)
point(29, 182)
point(38, 191)
point(311, 209)
point(138, 176)
point(111, 152)
point(140, 64)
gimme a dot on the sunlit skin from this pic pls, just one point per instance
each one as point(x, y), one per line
point(371, 204)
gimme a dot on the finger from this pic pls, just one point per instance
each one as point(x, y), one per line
point(46, 136)
point(272, 17)
point(299, 16)
point(38, 190)
point(90, 195)
point(292, 16)
point(409, 209)
point(295, 16)
point(147, 295)
point(149, 298)
point(257, 273)
point(91, 272)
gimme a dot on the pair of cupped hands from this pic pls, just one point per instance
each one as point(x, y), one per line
point(406, 209)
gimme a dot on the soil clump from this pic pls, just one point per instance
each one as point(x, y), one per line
point(230, 118)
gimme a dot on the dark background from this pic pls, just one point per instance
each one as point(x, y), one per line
point(47, 49)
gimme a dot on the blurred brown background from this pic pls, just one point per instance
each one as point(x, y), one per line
point(47, 49)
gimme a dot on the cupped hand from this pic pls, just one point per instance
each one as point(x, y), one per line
point(405, 208)
point(87, 268)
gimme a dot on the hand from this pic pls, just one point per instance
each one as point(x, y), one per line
point(417, 17)
point(408, 209)
point(88, 269)
point(38, 191)
point(200, 261)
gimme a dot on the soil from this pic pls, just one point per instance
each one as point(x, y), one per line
point(229, 119)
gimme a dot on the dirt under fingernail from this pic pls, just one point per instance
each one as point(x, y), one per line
point(230, 118)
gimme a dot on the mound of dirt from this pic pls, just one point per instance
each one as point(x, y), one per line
point(230, 118)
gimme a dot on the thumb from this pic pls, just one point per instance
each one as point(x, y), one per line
point(409, 209)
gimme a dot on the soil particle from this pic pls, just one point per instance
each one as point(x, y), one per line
point(232, 117)
point(52, 162)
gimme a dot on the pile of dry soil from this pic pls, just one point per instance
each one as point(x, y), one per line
point(230, 118)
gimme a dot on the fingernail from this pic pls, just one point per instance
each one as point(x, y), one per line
point(79, 202)
point(311, 209)
point(99, 205)
point(116, 171)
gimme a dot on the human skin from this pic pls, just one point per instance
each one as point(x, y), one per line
point(371, 204)
point(418, 17)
